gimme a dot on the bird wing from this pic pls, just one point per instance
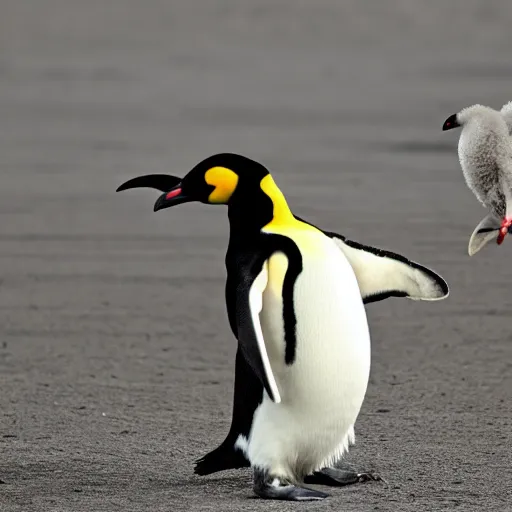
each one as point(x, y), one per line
point(486, 230)
point(382, 274)
point(506, 112)
point(252, 281)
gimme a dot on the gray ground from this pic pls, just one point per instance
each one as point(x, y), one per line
point(116, 359)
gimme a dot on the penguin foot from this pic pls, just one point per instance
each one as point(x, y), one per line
point(335, 477)
point(274, 488)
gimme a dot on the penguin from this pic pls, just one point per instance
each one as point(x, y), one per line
point(295, 298)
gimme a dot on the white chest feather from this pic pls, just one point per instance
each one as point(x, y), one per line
point(323, 389)
point(332, 352)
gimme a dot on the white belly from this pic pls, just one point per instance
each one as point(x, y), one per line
point(323, 389)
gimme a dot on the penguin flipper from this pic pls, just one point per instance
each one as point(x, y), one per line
point(382, 274)
point(486, 230)
point(249, 303)
point(249, 385)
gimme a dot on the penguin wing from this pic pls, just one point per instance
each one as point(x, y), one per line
point(382, 274)
point(249, 302)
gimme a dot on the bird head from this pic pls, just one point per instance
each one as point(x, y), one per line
point(219, 179)
point(478, 113)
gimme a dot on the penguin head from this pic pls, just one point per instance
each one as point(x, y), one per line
point(219, 179)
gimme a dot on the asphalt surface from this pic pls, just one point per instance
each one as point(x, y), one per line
point(116, 358)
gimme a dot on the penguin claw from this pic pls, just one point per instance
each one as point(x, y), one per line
point(367, 477)
point(336, 477)
point(292, 493)
point(275, 488)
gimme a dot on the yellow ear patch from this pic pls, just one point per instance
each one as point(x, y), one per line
point(224, 180)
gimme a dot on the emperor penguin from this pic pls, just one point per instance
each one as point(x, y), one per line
point(295, 300)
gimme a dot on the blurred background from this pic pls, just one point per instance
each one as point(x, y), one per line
point(116, 358)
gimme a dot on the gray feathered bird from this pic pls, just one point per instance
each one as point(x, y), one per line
point(485, 154)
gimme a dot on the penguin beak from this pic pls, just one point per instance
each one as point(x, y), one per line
point(172, 198)
point(170, 185)
point(162, 182)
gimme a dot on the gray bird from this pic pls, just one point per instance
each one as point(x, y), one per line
point(485, 155)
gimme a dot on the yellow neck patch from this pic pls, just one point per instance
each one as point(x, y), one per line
point(224, 180)
point(283, 218)
point(282, 214)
